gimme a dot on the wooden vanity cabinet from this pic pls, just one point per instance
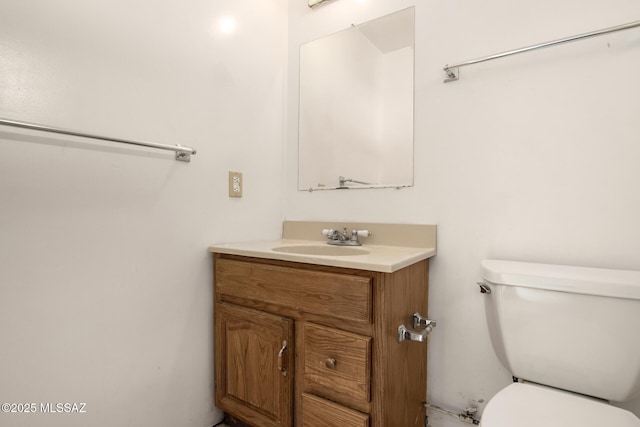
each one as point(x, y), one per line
point(316, 346)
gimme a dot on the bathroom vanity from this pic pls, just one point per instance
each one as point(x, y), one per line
point(313, 340)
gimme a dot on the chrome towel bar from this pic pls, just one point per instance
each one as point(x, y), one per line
point(183, 154)
point(453, 72)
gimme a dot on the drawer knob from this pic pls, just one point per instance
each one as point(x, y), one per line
point(330, 363)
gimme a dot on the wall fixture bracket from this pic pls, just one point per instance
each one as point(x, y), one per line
point(183, 156)
point(453, 74)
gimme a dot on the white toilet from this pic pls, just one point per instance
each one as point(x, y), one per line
point(571, 335)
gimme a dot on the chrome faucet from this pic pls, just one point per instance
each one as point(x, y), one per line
point(342, 238)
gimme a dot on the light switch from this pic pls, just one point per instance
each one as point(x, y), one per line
point(235, 184)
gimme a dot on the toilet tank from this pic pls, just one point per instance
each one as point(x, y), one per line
point(573, 328)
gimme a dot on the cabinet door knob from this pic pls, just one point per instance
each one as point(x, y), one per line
point(330, 363)
point(281, 367)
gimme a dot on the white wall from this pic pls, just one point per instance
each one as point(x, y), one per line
point(532, 158)
point(105, 282)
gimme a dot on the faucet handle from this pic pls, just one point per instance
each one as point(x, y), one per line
point(328, 231)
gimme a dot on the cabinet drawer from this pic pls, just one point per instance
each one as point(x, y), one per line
point(317, 412)
point(337, 364)
point(342, 296)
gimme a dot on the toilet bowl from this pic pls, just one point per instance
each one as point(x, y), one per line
point(530, 405)
point(569, 335)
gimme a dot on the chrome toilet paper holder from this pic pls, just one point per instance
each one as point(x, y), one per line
point(406, 334)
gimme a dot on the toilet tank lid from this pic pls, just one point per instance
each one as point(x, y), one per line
point(563, 278)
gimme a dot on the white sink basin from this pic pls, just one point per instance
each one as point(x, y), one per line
point(327, 250)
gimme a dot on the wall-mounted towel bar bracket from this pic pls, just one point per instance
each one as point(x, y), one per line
point(453, 71)
point(453, 74)
point(183, 154)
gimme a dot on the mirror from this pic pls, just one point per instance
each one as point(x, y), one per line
point(356, 106)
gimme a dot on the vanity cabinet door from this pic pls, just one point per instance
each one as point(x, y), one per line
point(254, 366)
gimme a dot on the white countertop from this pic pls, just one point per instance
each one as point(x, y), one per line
point(386, 259)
